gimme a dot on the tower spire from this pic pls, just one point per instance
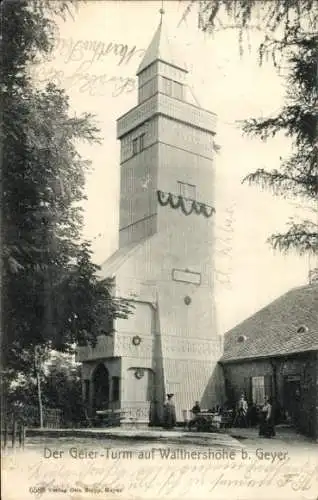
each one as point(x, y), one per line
point(162, 49)
point(161, 12)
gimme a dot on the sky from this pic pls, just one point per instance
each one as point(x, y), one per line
point(99, 79)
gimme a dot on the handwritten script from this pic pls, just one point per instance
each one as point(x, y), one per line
point(81, 60)
point(85, 81)
point(94, 50)
point(164, 478)
point(183, 479)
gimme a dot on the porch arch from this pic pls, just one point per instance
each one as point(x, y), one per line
point(101, 387)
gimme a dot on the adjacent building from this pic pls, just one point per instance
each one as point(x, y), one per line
point(275, 353)
point(165, 261)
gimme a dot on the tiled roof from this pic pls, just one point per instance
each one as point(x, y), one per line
point(273, 330)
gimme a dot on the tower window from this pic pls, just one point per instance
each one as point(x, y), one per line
point(187, 190)
point(138, 144)
point(167, 86)
point(142, 142)
point(135, 146)
point(177, 90)
point(172, 88)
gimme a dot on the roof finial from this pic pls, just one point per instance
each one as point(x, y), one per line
point(161, 12)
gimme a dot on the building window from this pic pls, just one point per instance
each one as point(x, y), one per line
point(142, 142)
point(135, 146)
point(138, 144)
point(187, 190)
point(177, 90)
point(167, 86)
point(115, 389)
point(258, 390)
point(172, 88)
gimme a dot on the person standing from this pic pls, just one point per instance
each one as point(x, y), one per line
point(169, 413)
point(267, 427)
point(241, 412)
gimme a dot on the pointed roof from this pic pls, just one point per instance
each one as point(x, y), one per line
point(161, 48)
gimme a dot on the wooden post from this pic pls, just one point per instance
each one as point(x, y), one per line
point(14, 433)
point(37, 363)
point(5, 437)
point(39, 398)
point(315, 372)
point(3, 405)
point(21, 435)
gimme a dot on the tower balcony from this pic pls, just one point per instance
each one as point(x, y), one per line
point(105, 348)
point(116, 345)
point(161, 104)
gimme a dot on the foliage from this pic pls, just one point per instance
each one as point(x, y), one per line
point(61, 390)
point(282, 21)
point(86, 305)
point(52, 294)
point(291, 39)
point(313, 275)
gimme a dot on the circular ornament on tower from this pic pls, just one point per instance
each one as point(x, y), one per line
point(136, 340)
point(187, 300)
point(139, 373)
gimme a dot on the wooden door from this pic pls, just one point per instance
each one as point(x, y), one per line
point(292, 399)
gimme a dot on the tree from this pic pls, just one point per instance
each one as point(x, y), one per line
point(52, 295)
point(291, 39)
point(61, 389)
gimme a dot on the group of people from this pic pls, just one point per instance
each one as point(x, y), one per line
point(169, 414)
point(266, 414)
